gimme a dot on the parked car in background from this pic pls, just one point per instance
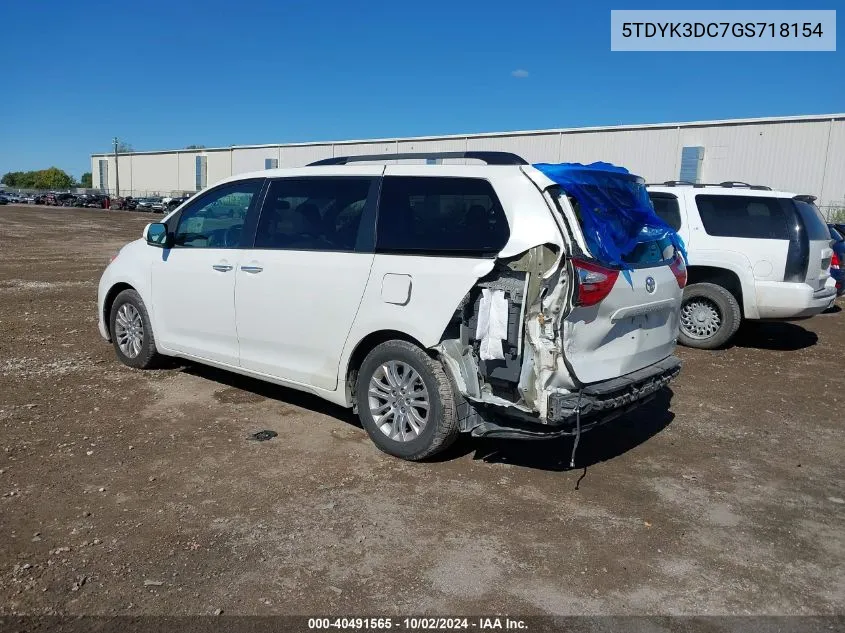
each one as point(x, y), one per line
point(150, 204)
point(172, 203)
point(29, 199)
point(753, 253)
point(92, 201)
point(67, 199)
point(40, 198)
point(124, 204)
point(3, 199)
point(12, 197)
point(837, 262)
point(435, 299)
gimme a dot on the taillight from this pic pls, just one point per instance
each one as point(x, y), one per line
point(834, 262)
point(679, 269)
point(594, 282)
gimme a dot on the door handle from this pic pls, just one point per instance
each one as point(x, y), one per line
point(252, 269)
point(222, 268)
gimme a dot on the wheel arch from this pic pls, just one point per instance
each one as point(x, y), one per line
point(729, 279)
point(108, 302)
point(363, 347)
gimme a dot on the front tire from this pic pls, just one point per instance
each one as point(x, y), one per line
point(710, 316)
point(406, 402)
point(132, 332)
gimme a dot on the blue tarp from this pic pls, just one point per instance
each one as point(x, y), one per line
point(614, 208)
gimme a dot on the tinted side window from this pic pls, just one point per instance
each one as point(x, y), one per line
point(450, 216)
point(813, 220)
point(666, 208)
point(313, 214)
point(744, 216)
point(216, 219)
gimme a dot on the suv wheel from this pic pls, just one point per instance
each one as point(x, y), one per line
point(131, 332)
point(710, 316)
point(406, 402)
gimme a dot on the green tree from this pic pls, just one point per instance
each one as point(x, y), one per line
point(86, 180)
point(12, 178)
point(52, 178)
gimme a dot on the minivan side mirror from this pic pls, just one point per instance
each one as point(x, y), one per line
point(156, 235)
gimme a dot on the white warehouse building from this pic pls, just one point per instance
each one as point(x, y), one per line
point(802, 154)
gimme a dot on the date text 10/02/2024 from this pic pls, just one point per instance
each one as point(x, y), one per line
point(418, 624)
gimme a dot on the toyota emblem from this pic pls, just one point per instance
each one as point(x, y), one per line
point(650, 285)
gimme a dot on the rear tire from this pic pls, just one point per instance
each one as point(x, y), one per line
point(412, 424)
point(132, 332)
point(710, 316)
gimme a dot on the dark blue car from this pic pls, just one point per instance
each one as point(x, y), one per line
point(836, 269)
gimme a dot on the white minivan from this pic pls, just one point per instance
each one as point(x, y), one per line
point(433, 298)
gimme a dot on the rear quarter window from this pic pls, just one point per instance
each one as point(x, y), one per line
point(814, 223)
point(447, 216)
point(744, 216)
point(666, 207)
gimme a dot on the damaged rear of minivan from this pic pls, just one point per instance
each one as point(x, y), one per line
point(571, 323)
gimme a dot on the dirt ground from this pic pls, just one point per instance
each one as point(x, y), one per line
point(135, 492)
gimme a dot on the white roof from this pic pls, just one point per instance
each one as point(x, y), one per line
point(734, 191)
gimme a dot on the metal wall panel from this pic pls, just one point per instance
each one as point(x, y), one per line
point(806, 156)
point(150, 174)
point(252, 159)
point(652, 154)
point(356, 149)
point(535, 148)
point(186, 171)
point(787, 156)
point(833, 191)
point(219, 166)
point(301, 155)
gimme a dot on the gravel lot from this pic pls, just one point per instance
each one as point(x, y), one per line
point(140, 493)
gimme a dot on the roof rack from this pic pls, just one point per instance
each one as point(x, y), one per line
point(728, 184)
point(491, 158)
point(733, 183)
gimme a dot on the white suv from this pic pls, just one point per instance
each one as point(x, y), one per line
point(752, 253)
point(434, 299)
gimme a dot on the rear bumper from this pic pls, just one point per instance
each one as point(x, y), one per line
point(782, 300)
point(599, 403)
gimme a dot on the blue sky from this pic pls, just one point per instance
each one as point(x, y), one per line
point(166, 74)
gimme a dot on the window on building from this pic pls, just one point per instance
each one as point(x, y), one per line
point(691, 161)
point(202, 172)
point(216, 219)
point(666, 207)
point(313, 214)
point(104, 174)
point(271, 163)
point(744, 216)
point(457, 216)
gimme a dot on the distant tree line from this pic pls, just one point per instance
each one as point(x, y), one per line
point(52, 178)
